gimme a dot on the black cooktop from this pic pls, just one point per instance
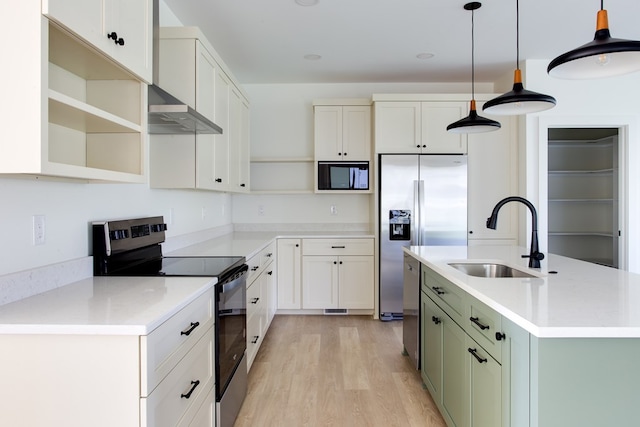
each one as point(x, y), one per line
point(182, 266)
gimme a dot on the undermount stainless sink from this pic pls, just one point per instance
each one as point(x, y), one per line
point(489, 270)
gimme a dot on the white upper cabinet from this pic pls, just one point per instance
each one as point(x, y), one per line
point(74, 112)
point(418, 127)
point(342, 132)
point(120, 28)
point(191, 71)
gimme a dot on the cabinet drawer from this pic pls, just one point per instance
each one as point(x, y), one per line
point(183, 391)
point(166, 345)
point(259, 261)
point(337, 247)
point(254, 268)
point(268, 254)
point(445, 292)
point(482, 325)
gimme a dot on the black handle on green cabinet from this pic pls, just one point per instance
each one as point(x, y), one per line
point(438, 290)
point(436, 320)
point(477, 322)
point(474, 353)
point(500, 336)
point(190, 329)
point(194, 384)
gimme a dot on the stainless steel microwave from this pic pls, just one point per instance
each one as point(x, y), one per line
point(343, 175)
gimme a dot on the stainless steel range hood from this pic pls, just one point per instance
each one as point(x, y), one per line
point(167, 114)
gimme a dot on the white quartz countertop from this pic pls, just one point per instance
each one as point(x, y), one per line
point(103, 306)
point(249, 243)
point(581, 300)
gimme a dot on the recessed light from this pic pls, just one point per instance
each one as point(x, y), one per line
point(312, 57)
point(307, 2)
point(425, 55)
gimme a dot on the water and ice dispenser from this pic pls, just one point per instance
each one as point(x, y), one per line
point(399, 224)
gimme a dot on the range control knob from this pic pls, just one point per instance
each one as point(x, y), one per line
point(119, 234)
point(156, 228)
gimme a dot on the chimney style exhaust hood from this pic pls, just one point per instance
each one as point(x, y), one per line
point(167, 114)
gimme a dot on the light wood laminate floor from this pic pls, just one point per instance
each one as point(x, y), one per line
point(335, 371)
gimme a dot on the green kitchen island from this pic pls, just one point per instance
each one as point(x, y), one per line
point(560, 347)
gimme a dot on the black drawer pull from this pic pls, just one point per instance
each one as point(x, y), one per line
point(477, 322)
point(190, 329)
point(269, 255)
point(113, 35)
point(436, 320)
point(269, 273)
point(194, 384)
point(255, 267)
point(338, 247)
point(438, 290)
point(500, 336)
point(475, 354)
point(255, 300)
point(255, 339)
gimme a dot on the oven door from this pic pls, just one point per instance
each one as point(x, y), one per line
point(231, 321)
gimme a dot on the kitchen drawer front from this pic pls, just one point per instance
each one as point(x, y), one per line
point(206, 415)
point(255, 298)
point(268, 254)
point(254, 338)
point(182, 392)
point(337, 247)
point(445, 292)
point(482, 325)
point(166, 345)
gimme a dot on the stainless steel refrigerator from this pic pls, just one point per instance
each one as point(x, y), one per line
point(423, 201)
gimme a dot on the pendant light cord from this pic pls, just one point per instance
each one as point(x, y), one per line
point(517, 34)
point(472, 60)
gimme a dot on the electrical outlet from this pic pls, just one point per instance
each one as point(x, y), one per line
point(334, 210)
point(38, 229)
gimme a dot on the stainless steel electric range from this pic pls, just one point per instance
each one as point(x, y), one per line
point(132, 247)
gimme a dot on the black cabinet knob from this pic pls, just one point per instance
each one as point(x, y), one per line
point(218, 179)
point(500, 336)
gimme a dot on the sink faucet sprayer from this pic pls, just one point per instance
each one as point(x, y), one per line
point(535, 256)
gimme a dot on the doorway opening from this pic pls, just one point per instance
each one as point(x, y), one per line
point(584, 201)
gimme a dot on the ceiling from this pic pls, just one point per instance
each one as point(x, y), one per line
point(375, 41)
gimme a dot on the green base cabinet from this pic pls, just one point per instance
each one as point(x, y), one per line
point(483, 370)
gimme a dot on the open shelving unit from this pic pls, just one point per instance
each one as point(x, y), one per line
point(583, 197)
point(282, 175)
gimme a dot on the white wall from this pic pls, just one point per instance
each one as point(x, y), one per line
point(70, 207)
point(610, 102)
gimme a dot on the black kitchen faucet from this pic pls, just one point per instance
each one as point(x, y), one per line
point(535, 256)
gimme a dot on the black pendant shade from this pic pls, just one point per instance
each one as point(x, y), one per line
point(473, 123)
point(603, 57)
point(519, 100)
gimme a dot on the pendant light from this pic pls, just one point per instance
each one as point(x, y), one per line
point(518, 100)
point(603, 57)
point(473, 123)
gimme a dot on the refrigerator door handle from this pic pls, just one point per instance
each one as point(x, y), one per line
point(415, 218)
point(421, 211)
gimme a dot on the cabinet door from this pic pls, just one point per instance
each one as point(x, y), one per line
point(238, 143)
point(319, 282)
point(327, 132)
point(431, 346)
point(289, 278)
point(356, 132)
point(485, 376)
point(515, 375)
point(132, 22)
point(436, 116)
point(397, 127)
point(355, 278)
point(83, 17)
point(221, 150)
point(455, 374)
point(205, 78)
point(493, 175)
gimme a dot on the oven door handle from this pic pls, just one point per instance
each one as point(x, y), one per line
point(238, 280)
